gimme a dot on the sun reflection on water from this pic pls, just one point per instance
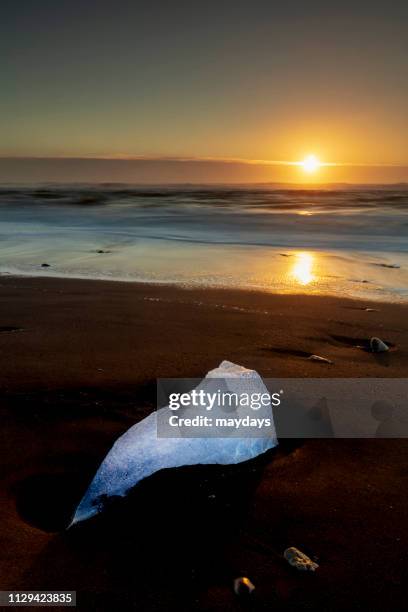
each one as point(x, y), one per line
point(302, 270)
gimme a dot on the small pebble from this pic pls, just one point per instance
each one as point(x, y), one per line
point(378, 346)
point(243, 586)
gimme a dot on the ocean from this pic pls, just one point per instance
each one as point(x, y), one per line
point(348, 241)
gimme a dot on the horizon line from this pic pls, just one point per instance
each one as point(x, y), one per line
point(198, 159)
point(278, 184)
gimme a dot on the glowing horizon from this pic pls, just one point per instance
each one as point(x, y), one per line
point(262, 85)
point(176, 169)
point(310, 161)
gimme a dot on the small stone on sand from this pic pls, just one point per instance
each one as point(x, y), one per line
point(378, 346)
point(243, 586)
point(299, 560)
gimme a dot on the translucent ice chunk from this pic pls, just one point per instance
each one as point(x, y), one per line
point(139, 452)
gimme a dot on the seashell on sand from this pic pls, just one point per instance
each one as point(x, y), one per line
point(299, 560)
point(318, 358)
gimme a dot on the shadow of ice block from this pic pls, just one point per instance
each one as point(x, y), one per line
point(139, 452)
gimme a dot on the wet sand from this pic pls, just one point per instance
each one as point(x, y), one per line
point(79, 361)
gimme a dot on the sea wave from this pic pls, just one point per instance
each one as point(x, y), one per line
point(225, 235)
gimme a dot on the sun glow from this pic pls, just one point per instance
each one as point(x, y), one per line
point(302, 271)
point(310, 164)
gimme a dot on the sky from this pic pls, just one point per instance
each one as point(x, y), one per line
point(215, 80)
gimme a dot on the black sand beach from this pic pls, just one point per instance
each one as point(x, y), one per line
point(79, 361)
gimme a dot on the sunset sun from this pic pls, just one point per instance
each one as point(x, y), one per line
point(310, 164)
